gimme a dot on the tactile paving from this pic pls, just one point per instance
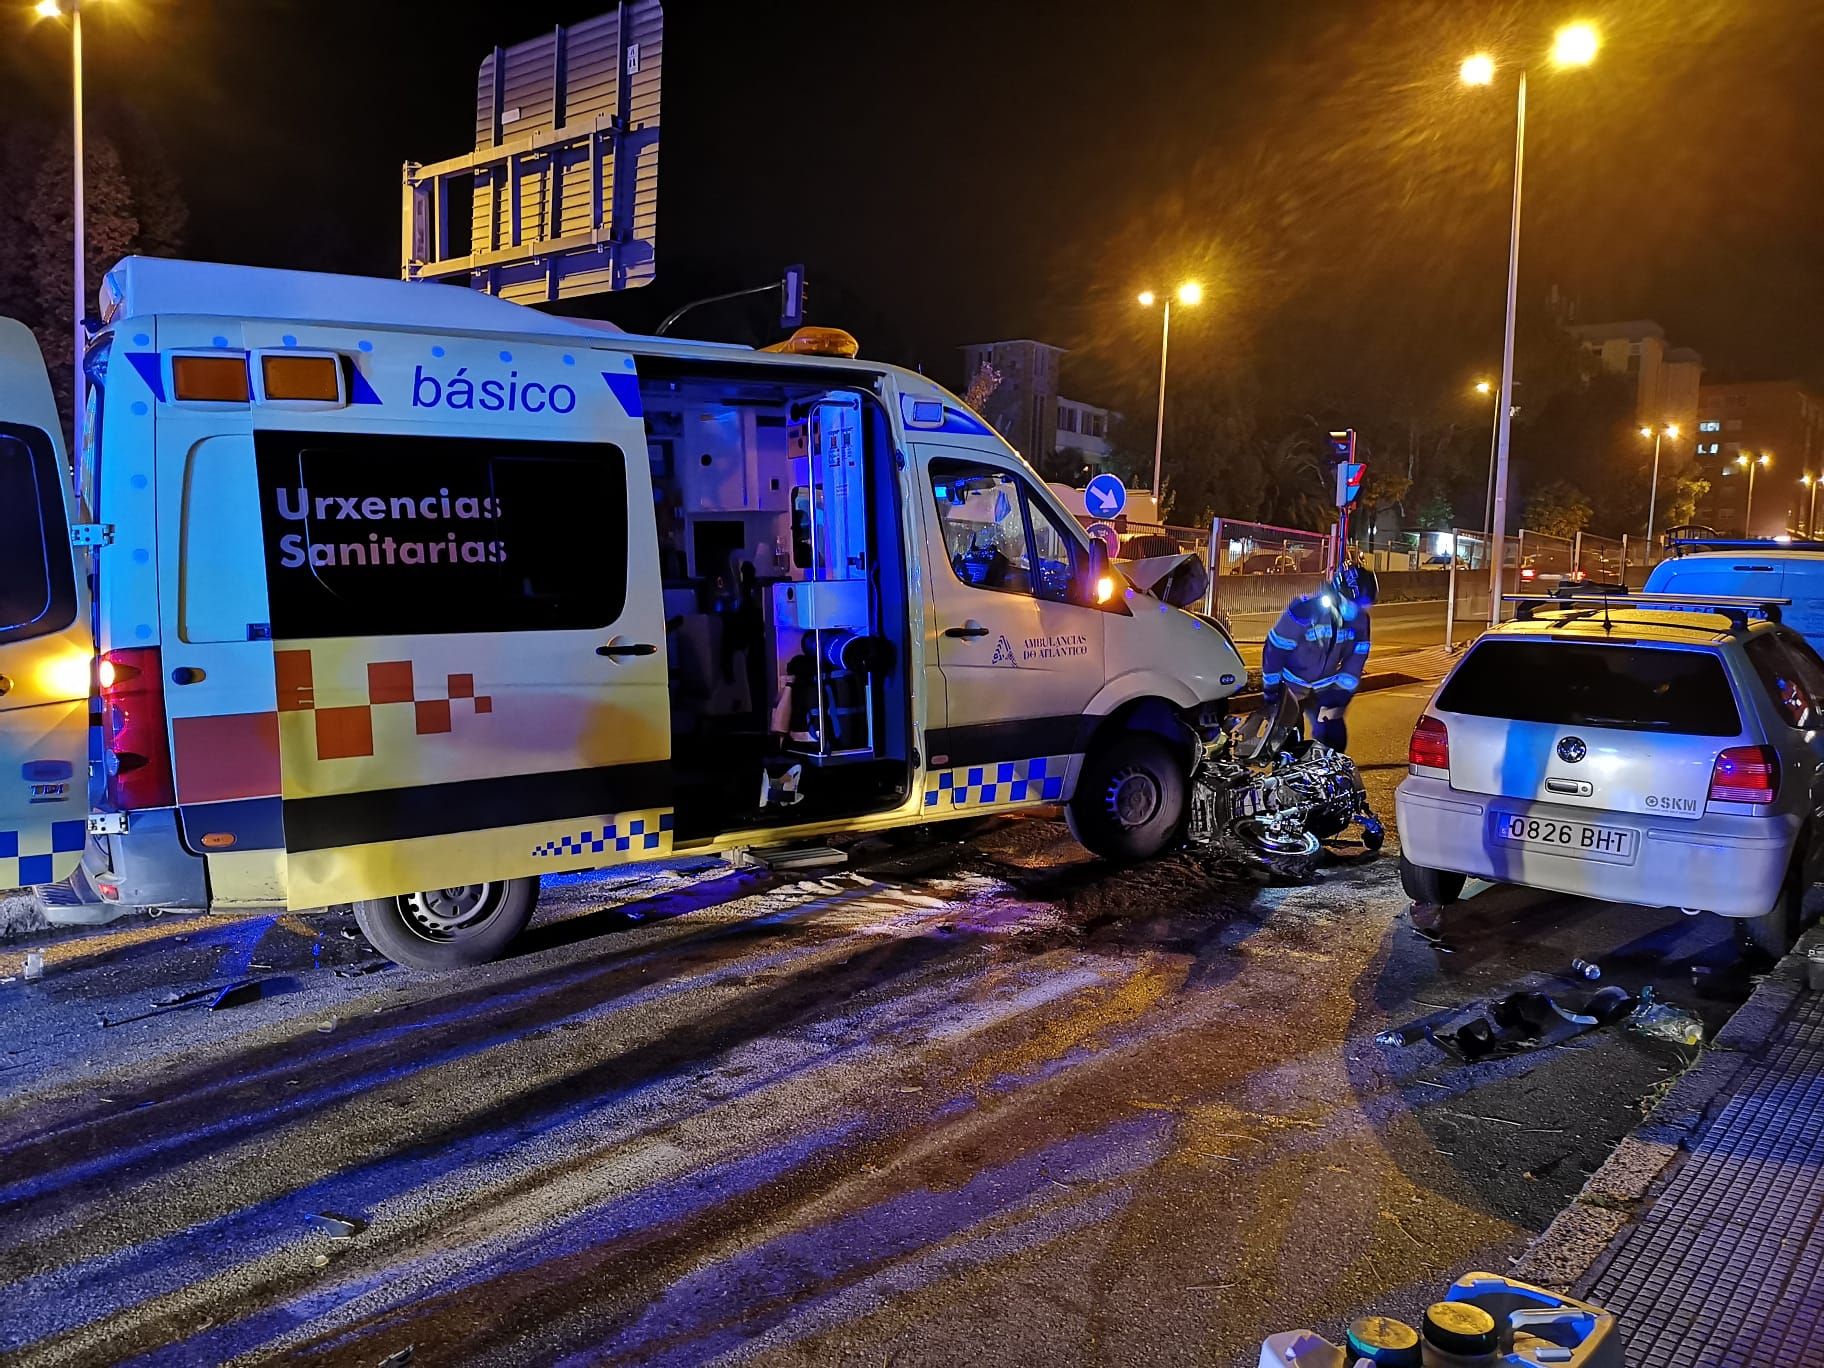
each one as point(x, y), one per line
point(1722, 1269)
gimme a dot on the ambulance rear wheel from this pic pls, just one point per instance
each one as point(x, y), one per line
point(1130, 799)
point(448, 928)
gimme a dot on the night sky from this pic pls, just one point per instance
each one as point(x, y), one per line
point(958, 171)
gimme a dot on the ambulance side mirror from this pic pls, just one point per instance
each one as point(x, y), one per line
point(1103, 586)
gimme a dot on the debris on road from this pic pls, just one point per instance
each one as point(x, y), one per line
point(1586, 969)
point(228, 995)
point(394, 1360)
point(34, 965)
point(337, 1227)
point(236, 995)
point(1527, 1019)
point(1662, 1021)
point(327, 1026)
point(364, 968)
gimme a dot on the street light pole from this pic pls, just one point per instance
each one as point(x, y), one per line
point(1811, 515)
point(1504, 409)
point(1165, 343)
point(1190, 292)
point(1652, 494)
point(81, 262)
point(1574, 46)
point(1669, 430)
point(53, 9)
point(1749, 464)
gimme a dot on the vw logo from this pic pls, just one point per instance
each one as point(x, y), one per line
point(1571, 749)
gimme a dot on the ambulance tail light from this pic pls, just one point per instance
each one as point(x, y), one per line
point(210, 379)
point(315, 379)
point(133, 721)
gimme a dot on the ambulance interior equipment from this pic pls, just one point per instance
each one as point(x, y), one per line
point(785, 595)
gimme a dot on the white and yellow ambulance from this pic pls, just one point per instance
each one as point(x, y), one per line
point(401, 595)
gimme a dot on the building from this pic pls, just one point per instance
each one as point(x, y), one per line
point(1666, 379)
point(1779, 419)
point(1026, 407)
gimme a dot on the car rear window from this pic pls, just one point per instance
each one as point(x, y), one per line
point(1587, 684)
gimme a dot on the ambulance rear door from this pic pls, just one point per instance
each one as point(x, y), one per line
point(468, 640)
point(46, 651)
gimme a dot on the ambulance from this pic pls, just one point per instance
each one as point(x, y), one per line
point(402, 596)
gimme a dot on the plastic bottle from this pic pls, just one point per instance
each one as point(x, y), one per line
point(1398, 1036)
point(34, 965)
point(1588, 969)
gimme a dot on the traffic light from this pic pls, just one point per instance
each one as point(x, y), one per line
point(792, 298)
point(1349, 471)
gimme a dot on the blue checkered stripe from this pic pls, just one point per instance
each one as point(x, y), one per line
point(24, 861)
point(623, 834)
point(1040, 780)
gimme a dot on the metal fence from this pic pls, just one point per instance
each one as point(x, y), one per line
point(1256, 548)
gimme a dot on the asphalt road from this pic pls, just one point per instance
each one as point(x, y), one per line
point(975, 1099)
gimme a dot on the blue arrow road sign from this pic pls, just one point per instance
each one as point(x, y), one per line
point(1105, 496)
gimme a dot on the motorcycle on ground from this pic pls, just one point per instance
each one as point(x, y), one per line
point(1264, 789)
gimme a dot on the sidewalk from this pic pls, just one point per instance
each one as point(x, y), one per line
point(1702, 1232)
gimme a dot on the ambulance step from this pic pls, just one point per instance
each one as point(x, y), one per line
point(797, 857)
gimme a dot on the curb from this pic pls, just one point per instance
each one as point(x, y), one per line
point(1568, 1254)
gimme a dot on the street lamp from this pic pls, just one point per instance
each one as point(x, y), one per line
point(1811, 514)
point(1764, 459)
point(1484, 388)
point(1669, 430)
point(1574, 46)
point(1188, 293)
point(52, 9)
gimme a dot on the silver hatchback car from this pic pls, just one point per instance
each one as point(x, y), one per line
point(1660, 750)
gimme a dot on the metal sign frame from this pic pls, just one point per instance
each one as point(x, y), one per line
point(568, 206)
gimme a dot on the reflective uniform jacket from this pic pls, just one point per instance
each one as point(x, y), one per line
point(1320, 643)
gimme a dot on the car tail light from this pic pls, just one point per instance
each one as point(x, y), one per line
point(1430, 744)
point(133, 713)
point(1745, 774)
point(1528, 573)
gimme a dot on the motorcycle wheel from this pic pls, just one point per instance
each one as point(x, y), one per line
point(1290, 857)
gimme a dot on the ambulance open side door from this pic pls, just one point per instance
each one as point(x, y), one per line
point(468, 639)
point(46, 650)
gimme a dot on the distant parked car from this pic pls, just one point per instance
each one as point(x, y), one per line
point(1642, 754)
point(1270, 563)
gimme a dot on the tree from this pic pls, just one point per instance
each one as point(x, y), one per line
point(1433, 511)
point(1557, 509)
point(131, 204)
point(982, 386)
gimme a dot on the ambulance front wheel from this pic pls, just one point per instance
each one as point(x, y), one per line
point(1130, 799)
point(448, 928)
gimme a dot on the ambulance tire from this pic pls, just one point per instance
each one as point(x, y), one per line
point(1130, 798)
point(449, 928)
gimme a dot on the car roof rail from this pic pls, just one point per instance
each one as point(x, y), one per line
point(1686, 545)
point(1736, 610)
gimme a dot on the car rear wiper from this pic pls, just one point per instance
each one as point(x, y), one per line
point(1627, 723)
